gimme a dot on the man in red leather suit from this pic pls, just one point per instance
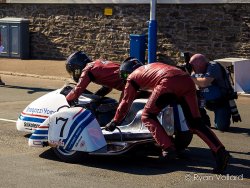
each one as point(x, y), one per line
point(101, 72)
point(168, 84)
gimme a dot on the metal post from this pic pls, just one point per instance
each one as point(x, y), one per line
point(152, 33)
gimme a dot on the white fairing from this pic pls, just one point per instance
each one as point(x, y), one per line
point(75, 129)
point(182, 119)
point(167, 120)
point(39, 110)
point(172, 118)
point(40, 135)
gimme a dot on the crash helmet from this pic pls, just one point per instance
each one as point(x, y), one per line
point(199, 63)
point(75, 63)
point(128, 66)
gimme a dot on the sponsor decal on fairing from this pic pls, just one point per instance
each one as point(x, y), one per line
point(40, 111)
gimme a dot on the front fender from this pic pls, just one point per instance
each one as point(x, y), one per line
point(71, 128)
point(39, 110)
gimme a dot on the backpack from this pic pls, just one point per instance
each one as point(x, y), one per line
point(230, 93)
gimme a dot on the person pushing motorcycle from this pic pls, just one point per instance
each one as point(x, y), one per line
point(84, 71)
point(166, 83)
point(102, 72)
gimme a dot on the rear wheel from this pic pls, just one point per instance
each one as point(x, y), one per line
point(69, 156)
point(182, 140)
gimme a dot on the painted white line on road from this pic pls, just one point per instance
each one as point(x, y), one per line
point(9, 120)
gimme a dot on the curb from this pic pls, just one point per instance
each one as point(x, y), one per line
point(34, 75)
point(244, 95)
point(240, 94)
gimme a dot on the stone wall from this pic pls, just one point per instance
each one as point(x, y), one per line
point(218, 31)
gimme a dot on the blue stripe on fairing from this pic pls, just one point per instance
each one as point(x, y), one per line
point(38, 137)
point(72, 142)
point(31, 119)
point(79, 130)
point(84, 114)
point(41, 131)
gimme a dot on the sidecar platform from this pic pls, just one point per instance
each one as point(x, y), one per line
point(127, 136)
point(135, 130)
point(148, 146)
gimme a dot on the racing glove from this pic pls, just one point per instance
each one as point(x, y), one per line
point(72, 103)
point(111, 126)
point(66, 90)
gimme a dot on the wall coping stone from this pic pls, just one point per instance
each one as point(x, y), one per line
point(124, 1)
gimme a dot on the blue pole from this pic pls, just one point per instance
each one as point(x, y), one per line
point(152, 33)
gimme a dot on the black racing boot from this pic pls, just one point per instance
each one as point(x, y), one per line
point(222, 156)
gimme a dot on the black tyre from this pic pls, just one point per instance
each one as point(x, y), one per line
point(69, 156)
point(182, 140)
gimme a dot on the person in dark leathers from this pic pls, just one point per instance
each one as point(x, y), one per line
point(84, 71)
point(216, 91)
point(102, 72)
point(168, 83)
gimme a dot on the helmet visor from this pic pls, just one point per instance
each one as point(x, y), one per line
point(124, 75)
point(69, 70)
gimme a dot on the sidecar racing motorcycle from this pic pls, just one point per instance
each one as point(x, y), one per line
point(76, 131)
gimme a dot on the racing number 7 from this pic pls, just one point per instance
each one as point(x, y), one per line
point(65, 120)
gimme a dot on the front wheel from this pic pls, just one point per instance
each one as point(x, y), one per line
point(182, 140)
point(69, 156)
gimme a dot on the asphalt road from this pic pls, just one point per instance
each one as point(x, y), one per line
point(22, 166)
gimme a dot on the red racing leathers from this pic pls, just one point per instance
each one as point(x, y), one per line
point(163, 79)
point(105, 73)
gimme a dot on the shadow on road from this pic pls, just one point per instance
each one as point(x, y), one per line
point(197, 160)
point(31, 90)
point(239, 130)
point(27, 135)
